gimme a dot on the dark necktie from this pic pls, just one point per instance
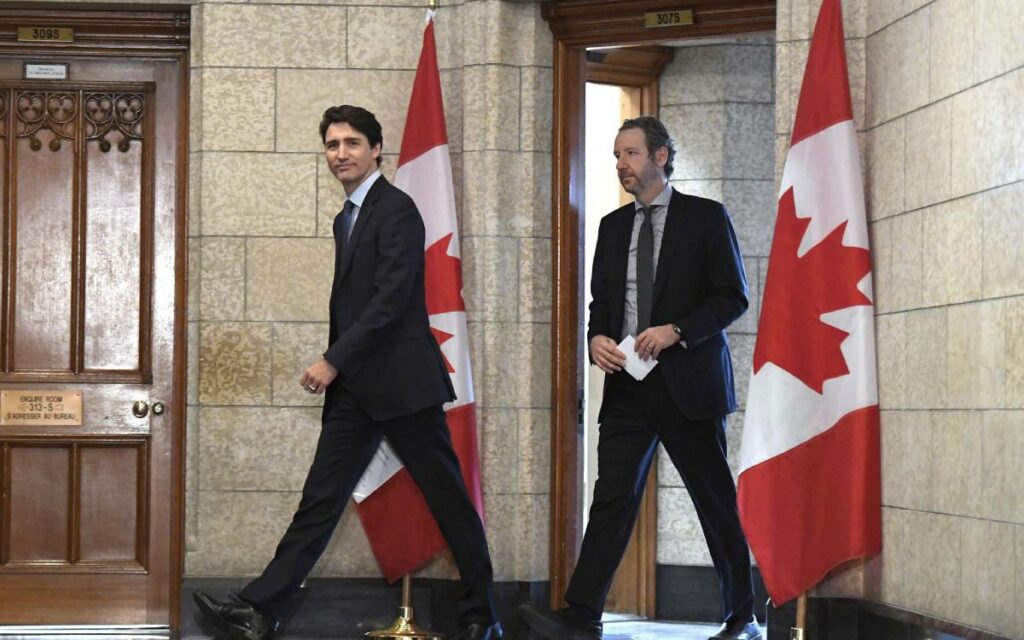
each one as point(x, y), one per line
point(644, 270)
point(346, 222)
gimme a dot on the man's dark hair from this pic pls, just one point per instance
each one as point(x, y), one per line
point(356, 117)
point(656, 136)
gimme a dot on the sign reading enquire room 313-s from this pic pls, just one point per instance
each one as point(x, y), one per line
point(40, 407)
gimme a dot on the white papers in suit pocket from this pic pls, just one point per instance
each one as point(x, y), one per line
point(634, 365)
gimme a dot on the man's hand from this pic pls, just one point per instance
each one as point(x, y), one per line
point(654, 340)
point(606, 354)
point(318, 376)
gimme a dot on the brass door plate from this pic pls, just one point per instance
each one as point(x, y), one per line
point(40, 407)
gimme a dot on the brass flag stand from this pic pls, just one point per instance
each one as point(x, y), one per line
point(404, 626)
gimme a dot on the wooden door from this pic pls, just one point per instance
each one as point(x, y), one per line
point(92, 169)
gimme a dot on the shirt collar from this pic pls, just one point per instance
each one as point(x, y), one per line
point(661, 200)
point(359, 194)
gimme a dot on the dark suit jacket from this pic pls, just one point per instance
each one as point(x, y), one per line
point(380, 340)
point(699, 285)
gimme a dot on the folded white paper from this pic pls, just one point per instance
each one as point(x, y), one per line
point(634, 365)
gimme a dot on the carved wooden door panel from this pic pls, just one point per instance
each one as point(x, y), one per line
point(92, 297)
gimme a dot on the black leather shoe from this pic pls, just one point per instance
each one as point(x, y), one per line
point(478, 631)
point(240, 620)
point(738, 631)
point(564, 624)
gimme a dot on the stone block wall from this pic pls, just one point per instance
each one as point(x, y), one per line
point(261, 256)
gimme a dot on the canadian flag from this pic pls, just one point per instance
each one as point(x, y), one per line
point(809, 484)
point(401, 530)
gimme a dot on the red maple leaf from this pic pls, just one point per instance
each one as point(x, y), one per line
point(443, 279)
point(798, 290)
point(443, 337)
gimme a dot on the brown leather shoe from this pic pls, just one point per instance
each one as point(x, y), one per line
point(239, 619)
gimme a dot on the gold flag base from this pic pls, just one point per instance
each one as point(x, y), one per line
point(404, 627)
point(796, 634)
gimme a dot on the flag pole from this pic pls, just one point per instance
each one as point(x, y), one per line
point(404, 627)
point(797, 632)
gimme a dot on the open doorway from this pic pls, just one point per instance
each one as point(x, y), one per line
point(581, 44)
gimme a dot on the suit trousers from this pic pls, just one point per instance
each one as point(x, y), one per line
point(348, 440)
point(636, 416)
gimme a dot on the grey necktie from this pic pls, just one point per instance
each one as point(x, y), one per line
point(346, 221)
point(644, 270)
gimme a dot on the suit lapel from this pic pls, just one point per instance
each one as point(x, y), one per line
point(670, 239)
point(366, 212)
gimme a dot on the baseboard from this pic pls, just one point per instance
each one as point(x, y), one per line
point(853, 619)
point(349, 607)
point(691, 594)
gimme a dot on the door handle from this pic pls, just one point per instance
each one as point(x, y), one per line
point(140, 409)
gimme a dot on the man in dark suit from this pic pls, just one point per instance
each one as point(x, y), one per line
point(668, 271)
point(384, 376)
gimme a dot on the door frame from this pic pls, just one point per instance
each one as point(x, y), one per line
point(117, 31)
point(575, 26)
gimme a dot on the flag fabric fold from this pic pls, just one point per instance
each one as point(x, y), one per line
point(402, 532)
point(809, 491)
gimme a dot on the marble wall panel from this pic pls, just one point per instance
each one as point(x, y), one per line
point(506, 194)
point(260, 516)
point(387, 37)
point(234, 363)
point(516, 369)
point(195, 184)
point(1002, 492)
point(194, 272)
point(1001, 48)
point(906, 459)
point(289, 278)
point(668, 475)
point(952, 257)
point(195, 111)
point(880, 237)
point(534, 462)
point(195, 49)
point(748, 152)
point(785, 97)
point(751, 205)
point(1001, 221)
point(955, 462)
point(696, 74)
point(928, 155)
point(517, 533)
point(451, 94)
point(303, 95)
point(222, 281)
point(680, 538)
point(952, 47)
point(510, 33)
point(747, 323)
point(907, 261)
point(749, 73)
point(891, 339)
point(191, 448)
point(925, 381)
point(256, 448)
point(921, 562)
point(502, 528)
point(741, 345)
point(491, 108)
point(535, 112)
point(534, 280)
point(192, 375)
point(491, 273)
point(237, 110)
point(881, 13)
point(886, 169)
point(699, 134)
point(711, 189)
point(856, 65)
point(977, 355)
point(258, 194)
point(987, 579)
point(1014, 319)
point(499, 448)
point(988, 141)
point(236, 35)
point(297, 345)
point(898, 59)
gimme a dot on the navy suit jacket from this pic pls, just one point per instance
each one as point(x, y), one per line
point(700, 285)
point(380, 340)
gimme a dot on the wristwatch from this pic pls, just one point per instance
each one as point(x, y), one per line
point(679, 332)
